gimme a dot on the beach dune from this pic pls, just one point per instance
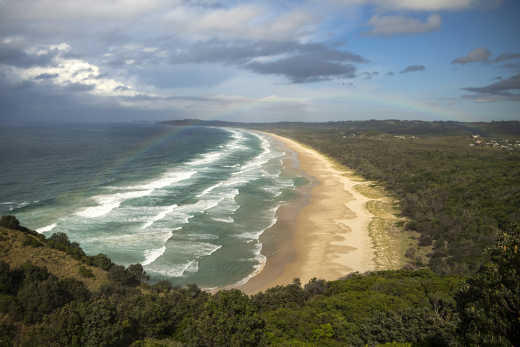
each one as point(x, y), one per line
point(323, 233)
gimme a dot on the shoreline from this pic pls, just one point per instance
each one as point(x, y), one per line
point(323, 232)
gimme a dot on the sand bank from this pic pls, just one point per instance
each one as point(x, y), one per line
point(323, 233)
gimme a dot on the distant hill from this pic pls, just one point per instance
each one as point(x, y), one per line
point(390, 126)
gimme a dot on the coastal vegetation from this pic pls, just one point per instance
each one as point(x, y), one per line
point(399, 308)
point(456, 197)
point(462, 203)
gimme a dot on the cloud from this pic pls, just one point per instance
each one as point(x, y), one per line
point(369, 75)
point(413, 68)
point(80, 9)
point(252, 22)
point(476, 55)
point(46, 76)
point(512, 66)
point(390, 73)
point(304, 68)
point(298, 62)
point(51, 64)
point(505, 89)
point(241, 52)
point(397, 25)
point(424, 5)
point(16, 56)
point(507, 56)
point(194, 20)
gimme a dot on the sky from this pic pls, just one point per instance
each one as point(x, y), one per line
point(259, 61)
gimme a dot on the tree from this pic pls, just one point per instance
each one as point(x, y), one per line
point(489, 303)
point(138, 272)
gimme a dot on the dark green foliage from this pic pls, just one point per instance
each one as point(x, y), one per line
point(61, 242)
point(137, 271)
point(101, 261)
point(10, 281)
point(10, 222)
point(228, 319)
point(455, 196)
point(85, 272)
point(132, 276)
point(489, 303)
point(290, 296)
point(369, 309)
point(32, 242)
point(7, 334)
point(32, 292)
point(118, 320)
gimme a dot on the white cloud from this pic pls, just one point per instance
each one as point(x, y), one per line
point(241, 22)
point(188, 19)
point(395, 25)
point(81, 9)
point(64, 72)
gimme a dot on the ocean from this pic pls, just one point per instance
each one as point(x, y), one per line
point(188, 203)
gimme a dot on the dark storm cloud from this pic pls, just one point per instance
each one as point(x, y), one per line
point(301, 62)
point(237, 53)
point(512, 66)
point(505, 89)
point(507, 56)
point(78, 87)
point(413, 68)
point(476, 55)
point(16, 56)
point(304, 68)
point(45, 101)
point(46, 76)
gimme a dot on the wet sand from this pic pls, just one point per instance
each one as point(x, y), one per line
point(322, 233)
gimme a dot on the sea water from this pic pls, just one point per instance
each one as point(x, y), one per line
point(188, 203)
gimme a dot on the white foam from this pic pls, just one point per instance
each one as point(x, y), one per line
point(159, 216)
point(255, 235)
point(173, 270)
point(224, 220)
point(209, 189)
point(23, 204)
point(134, 240)
point(260, 264)
point(231, 166)
point(151, 255)
point(193, 267)
point(196, 249)
point(199, 237)
point(214, 156)
point(106, 203)
point(46, 228)
point(205, 159)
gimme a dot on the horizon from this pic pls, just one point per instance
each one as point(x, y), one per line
point(259, 62)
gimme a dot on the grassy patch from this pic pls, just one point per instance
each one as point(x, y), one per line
point(370, 191)
point(16, 250)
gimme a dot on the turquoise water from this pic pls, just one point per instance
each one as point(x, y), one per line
point(188, 203)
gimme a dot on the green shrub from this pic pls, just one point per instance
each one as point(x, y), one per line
point(31, 242)
point(86, 272)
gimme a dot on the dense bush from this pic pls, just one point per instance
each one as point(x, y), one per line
point(455, 196)
point(31, 292)
point(489, 303)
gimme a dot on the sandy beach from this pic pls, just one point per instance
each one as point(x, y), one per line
point(323, 233)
